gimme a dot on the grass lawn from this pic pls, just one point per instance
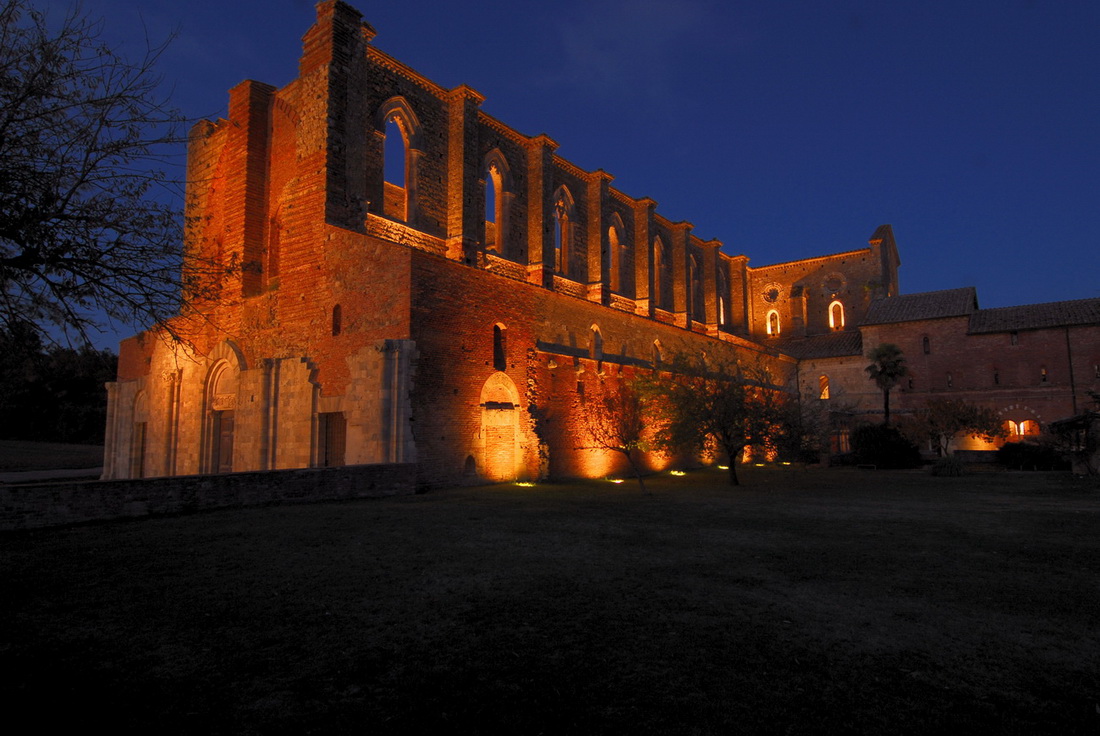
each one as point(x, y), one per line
point(19, 455)
point(803, 602)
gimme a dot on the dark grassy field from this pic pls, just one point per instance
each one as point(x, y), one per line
point(804, 602)
point(18, 455)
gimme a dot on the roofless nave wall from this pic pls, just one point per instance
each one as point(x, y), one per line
point(453, 310)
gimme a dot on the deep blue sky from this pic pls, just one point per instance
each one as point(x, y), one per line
point(785, 129)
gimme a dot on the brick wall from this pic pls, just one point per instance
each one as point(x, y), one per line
point(288, 197)
point(1002, 371)
point(549, 352)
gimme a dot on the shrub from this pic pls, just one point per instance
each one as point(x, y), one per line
point(844, 460)
point(1030, 456)
point(809, 456)
point(884, 447)
point(948, 467)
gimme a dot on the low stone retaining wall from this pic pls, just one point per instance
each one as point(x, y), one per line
point(56, 504)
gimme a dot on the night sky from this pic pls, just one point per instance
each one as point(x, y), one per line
point(783, 129)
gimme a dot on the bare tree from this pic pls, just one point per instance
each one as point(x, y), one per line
point(941, 420)
point(616, 421)
point(723, 405)
point(90, 232)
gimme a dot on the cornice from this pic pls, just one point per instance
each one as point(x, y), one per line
point(571, 168)
point(503, 129)
point(384, 60)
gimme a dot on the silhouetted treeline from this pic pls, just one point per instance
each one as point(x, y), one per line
point(52, 393)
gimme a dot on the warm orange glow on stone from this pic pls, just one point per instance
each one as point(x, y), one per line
point(598, 463)
point(439, 275)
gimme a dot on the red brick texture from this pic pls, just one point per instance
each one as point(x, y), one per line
point(348, 295)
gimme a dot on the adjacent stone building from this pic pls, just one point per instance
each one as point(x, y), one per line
point(412, 280)
point(1033, 364)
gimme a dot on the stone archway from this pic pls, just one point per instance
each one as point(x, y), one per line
point(219, 409)
point(500, 451)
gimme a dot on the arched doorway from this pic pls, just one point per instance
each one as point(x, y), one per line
point(219, 410)
point(499, 428)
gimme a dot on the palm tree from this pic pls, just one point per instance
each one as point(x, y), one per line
point(886, 369)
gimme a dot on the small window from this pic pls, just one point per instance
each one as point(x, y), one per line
point(337, 319)
point(1014, 338)
point(656, 353)
point(616, 250)
point(1043, 377)
point(996, 377)
point(927, 344)
point(564, 216)
point(836, 316)
point(1029, 427)
point(492, 207)
point(497, 186)
point(840, 442)
point(658, 273)
point(950, 381)
point(695, 295)
point(773, 322)
point(723, 294)
point(910, 383)
point(500, 358)
point(595, 347)
point(394, 153)
point(823, 387)
point(395, 171)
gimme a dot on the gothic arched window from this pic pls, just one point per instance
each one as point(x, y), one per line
point(564, 218)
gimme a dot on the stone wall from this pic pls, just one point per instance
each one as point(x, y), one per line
point(57, 504)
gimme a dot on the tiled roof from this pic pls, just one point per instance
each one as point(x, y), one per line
point(1036, 316)
point(927, 305)
point(830, 345)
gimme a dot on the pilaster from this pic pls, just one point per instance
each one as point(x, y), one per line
point(540, 245)
point(681, 235)
point(709, 282)
point(598, 280)
point(464, 218)
point(246, 186)
point(739, 318)
point(644, 300)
